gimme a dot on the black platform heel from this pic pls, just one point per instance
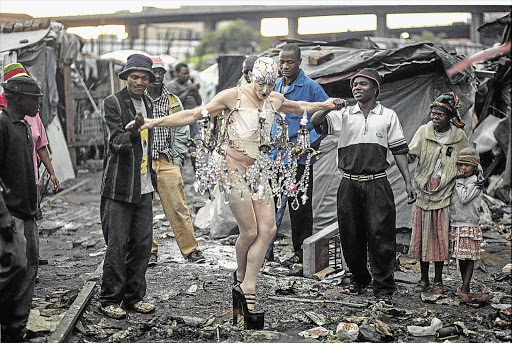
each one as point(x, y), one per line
point(253, 320)
point(235, 279)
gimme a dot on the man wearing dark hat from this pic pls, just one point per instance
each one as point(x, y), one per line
point(126, 192)
point(168, 154)
point(366, 207)
point(19, 245)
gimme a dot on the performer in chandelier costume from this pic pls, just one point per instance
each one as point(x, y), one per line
point(246, 108)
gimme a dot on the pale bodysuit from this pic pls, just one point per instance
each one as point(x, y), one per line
point(243, 131)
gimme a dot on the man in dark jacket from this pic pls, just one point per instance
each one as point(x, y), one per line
point(126, 193)
point(19, 245)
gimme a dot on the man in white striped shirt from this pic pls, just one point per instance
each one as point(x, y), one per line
point(366, 207)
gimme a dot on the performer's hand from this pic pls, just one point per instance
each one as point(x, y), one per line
point(56, 183)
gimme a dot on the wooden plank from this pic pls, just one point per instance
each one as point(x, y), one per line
point(320, 57)
point(70, 189)
point(75, 310)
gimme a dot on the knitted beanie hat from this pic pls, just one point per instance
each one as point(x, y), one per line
point(368, 73)
point(157, 62)
point(469, 156)
point(14, 70)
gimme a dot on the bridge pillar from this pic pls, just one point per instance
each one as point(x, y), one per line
point(382, 25)
point(293, 27)
point(477, 20)
point(132, 30)
point(210, 25)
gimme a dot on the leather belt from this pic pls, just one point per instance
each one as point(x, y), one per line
point(364, 178)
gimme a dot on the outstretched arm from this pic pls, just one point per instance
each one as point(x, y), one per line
point(297, 107)
point(186, 117)
point(318, 117)
point(403, 166)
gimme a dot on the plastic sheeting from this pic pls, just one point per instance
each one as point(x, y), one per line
point(410, 99)
point(413, 76)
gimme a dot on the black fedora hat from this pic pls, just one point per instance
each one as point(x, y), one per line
point(138, 62)
point(22, 85)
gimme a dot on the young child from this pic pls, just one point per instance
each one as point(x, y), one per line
point(465, 233)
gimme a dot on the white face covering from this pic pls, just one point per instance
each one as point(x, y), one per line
point(264, 71)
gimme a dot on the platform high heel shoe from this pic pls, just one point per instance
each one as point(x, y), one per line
point(235, 278)
point(253, 320)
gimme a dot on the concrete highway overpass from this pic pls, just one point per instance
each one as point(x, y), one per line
point(211, 15)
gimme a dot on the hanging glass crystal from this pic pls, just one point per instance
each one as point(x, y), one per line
point(266, 177)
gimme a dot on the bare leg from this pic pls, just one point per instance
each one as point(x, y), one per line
point(246, 220)
point(466, 271)
point(256, 232)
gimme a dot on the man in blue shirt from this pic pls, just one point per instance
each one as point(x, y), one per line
point(295, 85)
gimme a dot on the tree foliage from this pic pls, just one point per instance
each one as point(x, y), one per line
point(236, 37)
point(428, 36)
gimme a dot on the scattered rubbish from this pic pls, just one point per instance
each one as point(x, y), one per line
point(81, 240)
point(121, 336)
point(502, 306)
point(383, 328)
point(192, 290)
point(369, 333)
point(66, 299)
point(316, 318)
point(37, 323)
point(507, 268)
point(306, 300)
point(193, 321)
point(287, 287)
point(230, 240)
point(259, 336)
point(316, 332)
point(158, 217)
point(347, 331)
point(430, 297)
point(457, 329)
point(323, 273)
point(502, 277)
point(473, 299)
point(430, 330)
point(98, 253)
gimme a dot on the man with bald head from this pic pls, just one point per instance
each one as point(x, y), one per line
point(295, 85)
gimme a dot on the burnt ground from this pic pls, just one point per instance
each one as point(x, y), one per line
point(194, 301)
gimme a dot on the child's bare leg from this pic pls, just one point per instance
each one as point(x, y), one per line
point(466, 271)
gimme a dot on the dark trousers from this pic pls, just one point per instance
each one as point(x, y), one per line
point(302, 218)
point(128, 231)
point(19, 259)
point(366, 219)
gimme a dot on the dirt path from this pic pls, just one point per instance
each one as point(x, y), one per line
point(194, 301)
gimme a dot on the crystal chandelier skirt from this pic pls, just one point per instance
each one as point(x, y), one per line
point(239, 182)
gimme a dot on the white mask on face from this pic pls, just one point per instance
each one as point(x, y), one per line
point(265, 71)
